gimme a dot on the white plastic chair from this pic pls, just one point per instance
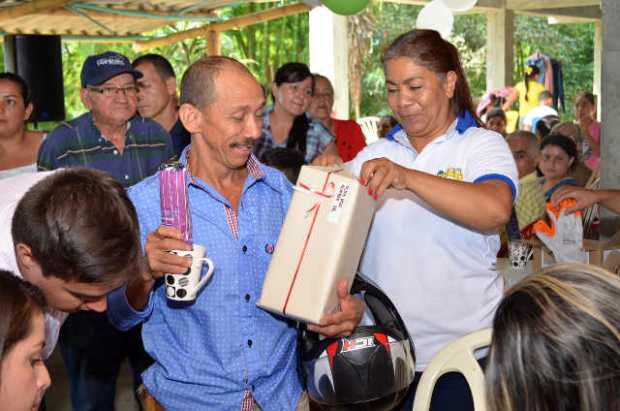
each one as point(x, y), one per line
point(612, 262)
point(457, 356)
point(370, 128)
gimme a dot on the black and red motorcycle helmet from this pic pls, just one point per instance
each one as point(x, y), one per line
point(369, 370)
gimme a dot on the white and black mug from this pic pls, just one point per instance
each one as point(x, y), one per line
point(185, 287)
point(520, 253)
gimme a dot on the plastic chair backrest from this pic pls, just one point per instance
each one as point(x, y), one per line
point(591, 213)
point(370, 128)
point(457, 356)
point(612, 262)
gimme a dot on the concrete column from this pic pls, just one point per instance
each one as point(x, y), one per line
point(598, 61)
point(500, 50)
point(610, 115)
point(329, 54)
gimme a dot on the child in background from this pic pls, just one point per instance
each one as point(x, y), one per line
point(287, 160)
point(496, 121)
point(557, 161)
point(585, 111)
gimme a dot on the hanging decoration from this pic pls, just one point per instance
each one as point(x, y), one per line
point(436, 16)
point(312, 3)
point(346, 7)
point(460, 5)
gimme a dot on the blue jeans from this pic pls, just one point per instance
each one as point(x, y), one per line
point(93, 350)
point(451, 393)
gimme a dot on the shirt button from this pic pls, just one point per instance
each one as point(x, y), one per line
point(247, 297)
point(244, 248)
point(115, 152)
point(250, 343)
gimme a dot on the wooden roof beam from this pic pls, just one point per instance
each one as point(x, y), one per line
point(518, 5)
point(34, 6)
point(569, 14)
point(480, 7)
point(157, 16)
point(242, 21)
point(112, 12)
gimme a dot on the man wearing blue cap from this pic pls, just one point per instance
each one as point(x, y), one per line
point(109, 137)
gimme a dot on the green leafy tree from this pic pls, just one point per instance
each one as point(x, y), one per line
point(262, 47)
point(393, 19)
point(265, 46)
point(576, 53)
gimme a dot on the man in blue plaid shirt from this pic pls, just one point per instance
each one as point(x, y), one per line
point(222, 352)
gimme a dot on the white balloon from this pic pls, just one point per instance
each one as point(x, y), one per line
point(459, 5)
point(436, 16)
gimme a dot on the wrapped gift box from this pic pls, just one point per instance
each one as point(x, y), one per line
point(321, 243)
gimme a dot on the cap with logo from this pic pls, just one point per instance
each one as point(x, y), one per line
point(102, 67)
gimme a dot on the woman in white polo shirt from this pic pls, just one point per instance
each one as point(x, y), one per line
point(444, 186)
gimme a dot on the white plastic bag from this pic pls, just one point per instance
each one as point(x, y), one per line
point(565, 235)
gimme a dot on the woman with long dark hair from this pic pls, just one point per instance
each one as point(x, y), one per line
point(287, 124)
point(18, 145)
point(526, 91)
point(444, 186)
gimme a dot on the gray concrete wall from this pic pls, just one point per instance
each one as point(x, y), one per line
point(610, 116)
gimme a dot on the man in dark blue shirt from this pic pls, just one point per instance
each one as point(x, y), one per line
point(157, 97)
point(111, 138)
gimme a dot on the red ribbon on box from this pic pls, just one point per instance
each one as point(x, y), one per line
point(315, 208)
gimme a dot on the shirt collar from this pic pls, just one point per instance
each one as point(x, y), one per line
point(253, 165)
point(255, 170)
point(401, 137)
point(95, 130)
point(464, 121)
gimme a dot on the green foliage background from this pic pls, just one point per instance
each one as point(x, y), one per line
point(265, 46)
point(571, 44)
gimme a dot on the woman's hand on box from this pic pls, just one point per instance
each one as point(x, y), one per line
point(380, 174)
point(342, 323)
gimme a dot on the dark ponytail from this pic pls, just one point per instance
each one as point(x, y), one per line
point(297, 136)
point(529, 73)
